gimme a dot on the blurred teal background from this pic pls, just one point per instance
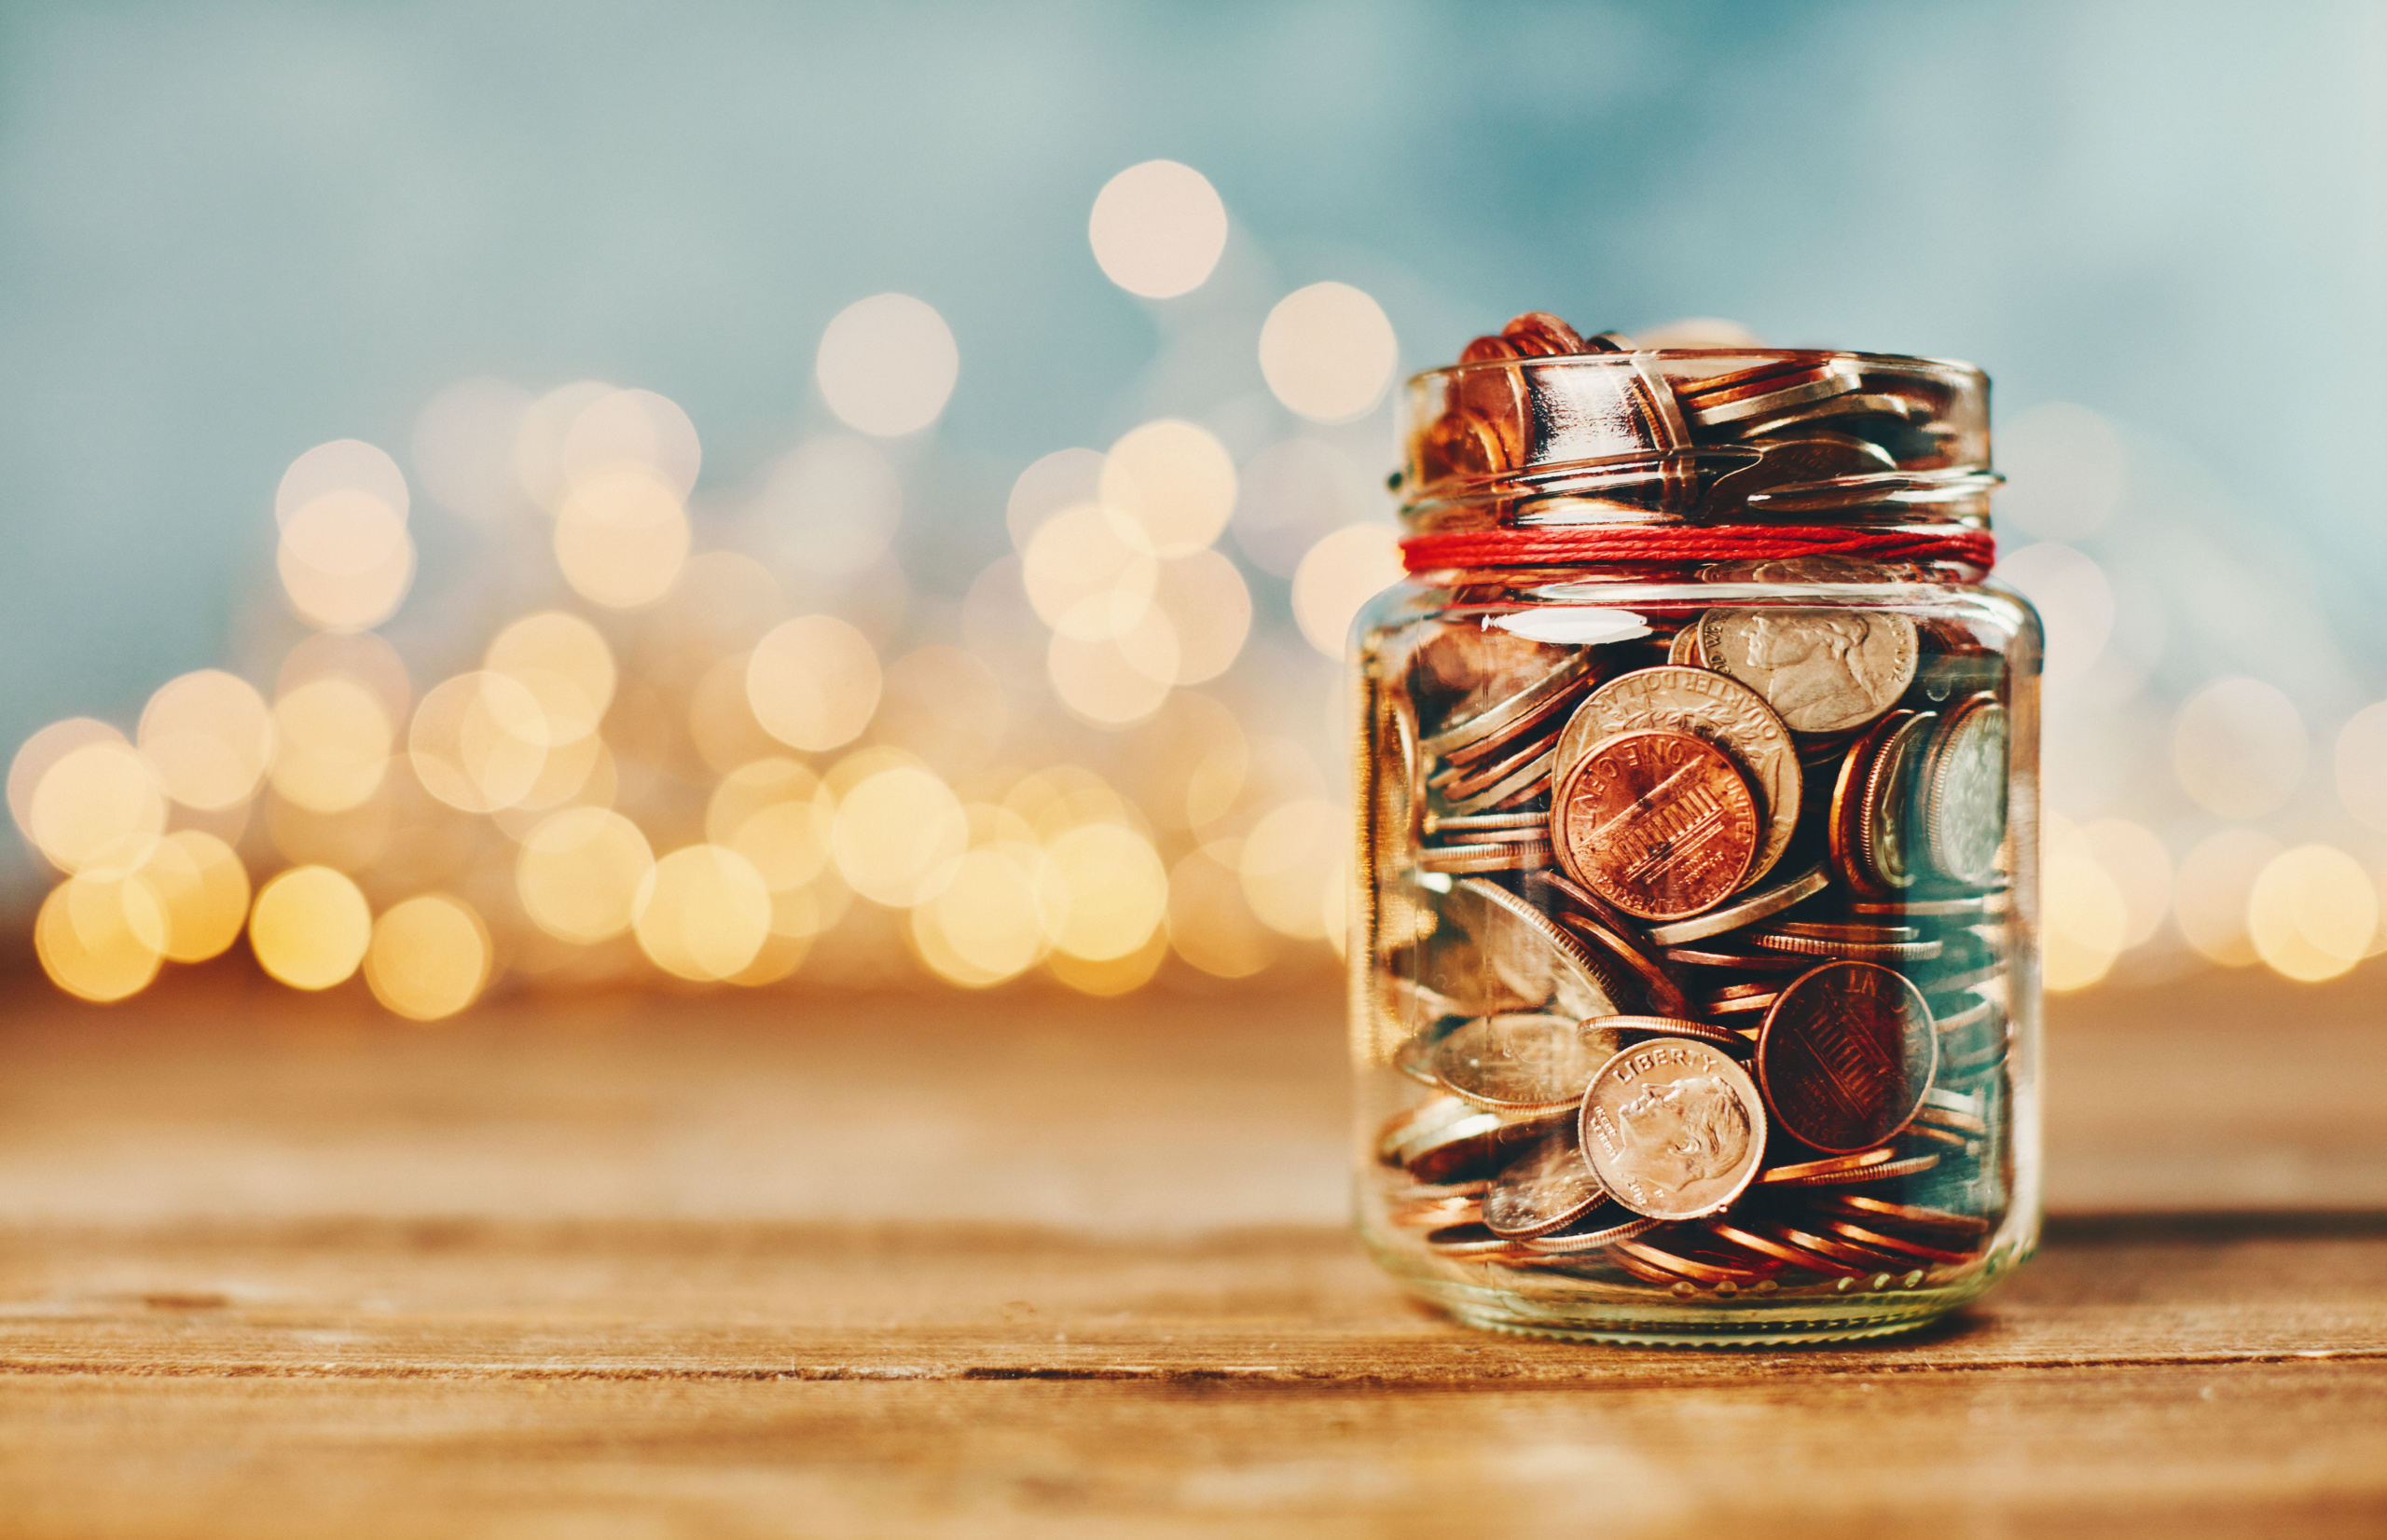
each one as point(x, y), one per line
point(229, 232)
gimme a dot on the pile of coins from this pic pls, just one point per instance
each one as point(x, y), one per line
point(1695, 942)
point(1799, 433)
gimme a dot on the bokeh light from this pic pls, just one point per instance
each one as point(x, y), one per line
point(45, 748)
point(97, 809)
point(1089, 573)
point(2084, 917)
point(1113, 680)
point(813, 683)
point(2072, 598)
point(311, 927)
point(1292, 867)
point(342, 465)
point(1328, 351)
point(579, 874)
point(2066, 471)
point(2311, 913)
point(898, 835)
point(1339, 575)
point(1208, 608)
point(100, 939)
point(203, 890)
point(2140, 868)
point(1062, 479)
point(776, 814)
point(833, 503)
point(429, 957)
point(1210, 925)
point(1172, 480)
point(2239, 747)
point(703, 913)
point(1116, 891)
point(2210, 897)
point(2361, 766)
point(346, 560)
point(209, 736)
point(621, 537)
point(479, 741)
point(541, 431)
point(631, 431)
point(464, 447)
point(1158, 230)
point(332, 741)
point(887, 364)
point(990, 923)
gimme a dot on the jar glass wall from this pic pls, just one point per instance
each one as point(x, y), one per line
point(1693, 963)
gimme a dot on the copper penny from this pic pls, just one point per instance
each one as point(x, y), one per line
point(1660, 824)
point(1538, 334)
point(1674, 1129)
point(1846, 1054)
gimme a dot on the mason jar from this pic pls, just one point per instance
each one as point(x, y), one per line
point(1693, 961)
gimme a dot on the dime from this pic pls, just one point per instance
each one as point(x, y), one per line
point(1478, 859)
point(1660, 824)
point(1811, 946)
point(1604, 1226)
point(1911, 1165)
point(1757, 906)
point(1673, 1026)
point(1704, 705)
point(1548, 1187)
point(1846, 1054)
point(1521, 1063)
point(1484, 825)
point(1674, 1129)
point(1963, 792)
point(1538, 963)
point(1821, 670)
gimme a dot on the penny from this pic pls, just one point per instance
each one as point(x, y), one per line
point(1913, 1165)
point(1853, 800)
point(1604, 1226)
point(1493, 392)
point(1748, 910)
point(1674, 1129)
point(1670, 1258)
point(1735, 383)
point(1884, 829)
point(1539, 333)
point(1529, 781)
point(1609, 342)
point(1820, 670)
point(1537, 962)
point(1708, 706)
point(1660, 824)
point(1879, 1242)
point(1847, 1253)
point(1877, 1209)
point(1845, 1055)
point(1963, 792)
point(1460, 444)
point(1742, 1004)
point(1859, 403)
point(1771, 397)
point(1548, 1187)
point(1766, 1244)
point(1521, 1063)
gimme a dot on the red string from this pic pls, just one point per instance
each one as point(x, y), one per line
point(1673, 543)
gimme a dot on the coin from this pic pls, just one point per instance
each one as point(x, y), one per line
point(1683, 650)
point(1883, 832)
point(1910, 1166)
point(1457, 783)
point(1538, 334)
point(1818, 456)
point(1537, 962)
point(1674, 1129)
point(1845, 1055)
point(1757, 906)
point(1762, 1240)
point(1739, 1005)
point(1746, 962)
point(1821, 670)
point(1660, 824)
point(1415, 1058)
point(1859, 794)
point(1870, 933)
point(1995, 902)
point(1489, 678)
point(1609, 342)
point(1877, 1210)
point(1459, 444)
point(1963, 792)
point(1434, 1213)
point(1465, 1148)
point(1704, 705)
point(1548, 1187)
point(1530, 780)
point(1879, 1242)
point(1411, 1124)
point(1812, 946)
point(1767, 398)
point(1475, 859)
point(1596, 923)
point(1467, 1240)
point(1861, 403)
point(1521, 1063)
point(1604, 1226)
point(1673, 1026)
point(1485, 824)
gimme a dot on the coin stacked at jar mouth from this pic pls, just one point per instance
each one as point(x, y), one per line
point(1692, 947)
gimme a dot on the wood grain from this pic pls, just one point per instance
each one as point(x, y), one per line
point(864, 1267)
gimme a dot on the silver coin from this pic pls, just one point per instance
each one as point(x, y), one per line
point(1674, 1129)
point(1821, 670)
point(1521, 1063)
point(1525, 957)
point(1757, 906)
point(1963, 792)
point(1549, 1186)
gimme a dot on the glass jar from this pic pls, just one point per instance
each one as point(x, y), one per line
point(1693, 961)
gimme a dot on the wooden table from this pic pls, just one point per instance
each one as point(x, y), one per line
point(932, 1265)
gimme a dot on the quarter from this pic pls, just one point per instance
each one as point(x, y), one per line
point(1821, 670)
